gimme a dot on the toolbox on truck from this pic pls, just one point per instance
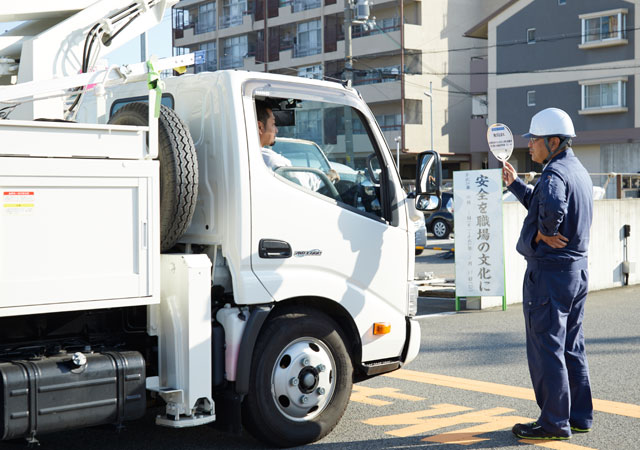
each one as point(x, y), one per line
point(77, 232)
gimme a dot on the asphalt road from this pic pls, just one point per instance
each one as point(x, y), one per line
point(437, 258)
point(469, 384)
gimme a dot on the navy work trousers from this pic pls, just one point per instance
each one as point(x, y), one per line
point(553, 305)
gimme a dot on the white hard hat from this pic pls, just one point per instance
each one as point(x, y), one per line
point(551, 122)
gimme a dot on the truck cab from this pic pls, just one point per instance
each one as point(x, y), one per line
point(343, 252)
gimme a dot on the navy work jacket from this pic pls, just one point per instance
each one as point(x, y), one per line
point(561, 202)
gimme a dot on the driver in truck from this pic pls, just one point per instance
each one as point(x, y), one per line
point(268, 130)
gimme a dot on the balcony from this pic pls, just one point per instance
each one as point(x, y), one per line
point(304, 5)
point(376, 43)
point(384, 2)
point(301, 50)
point(378, 93)
point(231, 21)
point(184, 35)
point(205, 26)
point(208, 66)
point(392, 24)
point(231, 61)
point(376, 75)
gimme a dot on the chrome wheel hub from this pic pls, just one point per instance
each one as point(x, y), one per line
point(303, 379)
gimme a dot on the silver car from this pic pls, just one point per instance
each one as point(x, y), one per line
point(421, 235)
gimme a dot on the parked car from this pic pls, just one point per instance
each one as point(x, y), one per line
point(440, 222)
point(302, 153)
point(421, 235)
point(353, 187)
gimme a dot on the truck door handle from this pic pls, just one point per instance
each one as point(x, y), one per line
point(273, 248)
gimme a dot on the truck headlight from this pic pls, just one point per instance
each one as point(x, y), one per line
point(412, 299)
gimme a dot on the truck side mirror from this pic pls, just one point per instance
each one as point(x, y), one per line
point(373, 168)
point(428, 181)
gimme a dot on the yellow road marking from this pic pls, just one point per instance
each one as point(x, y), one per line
point(618, 408)
point(415, 418)
point(363, 394)
point(488, 420)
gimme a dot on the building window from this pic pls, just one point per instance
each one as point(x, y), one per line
point(604, 28)
point(183, 19)
point(389, 122)
point(309, 39)
point(313, 72)
point(206, 18)
point(210, 63)
point(235, 50)
point(309, 124)
point(232, 12)
point(531, 98)
point(377, 75)
point(604, 96)
point(531, 36)
point(562, 2)
point(178, 51)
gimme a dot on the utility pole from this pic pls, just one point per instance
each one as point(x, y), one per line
point(398, 139)
point(430, 95)
point(348, 67)
point(265, 37)
point(362, 18)
point(402, 127)
point(143, 47)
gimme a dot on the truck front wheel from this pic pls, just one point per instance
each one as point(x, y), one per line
point(301, 379)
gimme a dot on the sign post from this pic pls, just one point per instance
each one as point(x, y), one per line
point(478, 237)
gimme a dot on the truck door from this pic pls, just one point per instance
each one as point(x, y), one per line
point(330, 234)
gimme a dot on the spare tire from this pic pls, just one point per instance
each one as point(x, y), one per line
point(178, 168)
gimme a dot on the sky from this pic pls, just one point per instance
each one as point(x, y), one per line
point(159, 42)
point(158, 38)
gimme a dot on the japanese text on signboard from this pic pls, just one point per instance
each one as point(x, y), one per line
point(478, 219)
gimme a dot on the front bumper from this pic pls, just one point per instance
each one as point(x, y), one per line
point(409, 352)
point(412, 346)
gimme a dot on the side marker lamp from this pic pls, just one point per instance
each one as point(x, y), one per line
point(381, 328)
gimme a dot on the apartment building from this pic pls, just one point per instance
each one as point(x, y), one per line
point(306, 38)
point(578, 55)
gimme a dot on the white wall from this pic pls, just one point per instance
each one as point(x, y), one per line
point(605, 249)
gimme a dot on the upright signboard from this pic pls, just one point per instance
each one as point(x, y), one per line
point(478, 236)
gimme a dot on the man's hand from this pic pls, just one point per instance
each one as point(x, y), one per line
point(509, 174)
point(557, 241)
point(333, 176)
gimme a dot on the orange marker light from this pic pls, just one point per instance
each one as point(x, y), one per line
point(381, 328)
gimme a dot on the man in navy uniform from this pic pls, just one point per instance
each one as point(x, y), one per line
point(554, 241)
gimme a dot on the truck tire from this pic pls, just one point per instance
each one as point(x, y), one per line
point(301, 379)
point(178, 168)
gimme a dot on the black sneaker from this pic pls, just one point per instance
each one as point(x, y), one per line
point(534, 431)
point(579, 429)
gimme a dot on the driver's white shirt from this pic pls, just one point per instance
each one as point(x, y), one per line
point(273, 160)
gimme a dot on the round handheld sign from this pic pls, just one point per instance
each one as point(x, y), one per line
point(500, 140)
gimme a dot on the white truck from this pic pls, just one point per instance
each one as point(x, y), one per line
point(151, 252)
